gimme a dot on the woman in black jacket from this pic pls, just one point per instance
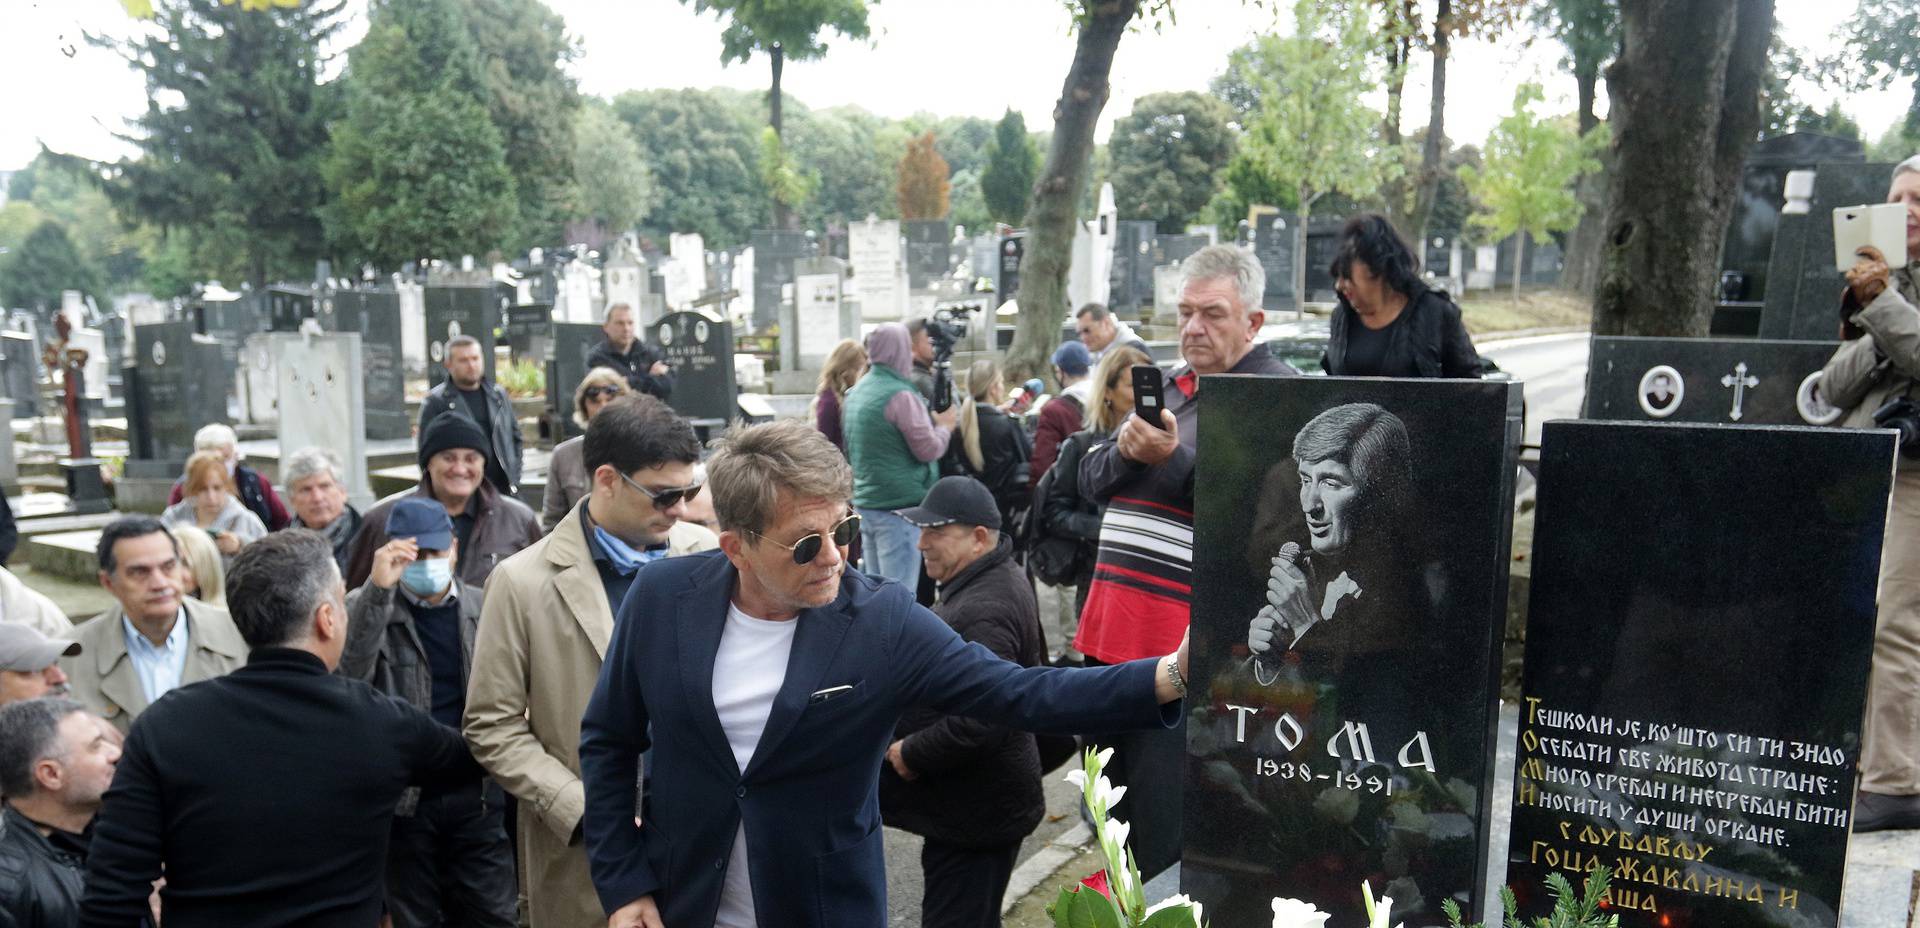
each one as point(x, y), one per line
point(1389, 323)
point(988, 445)
point(1069, 513)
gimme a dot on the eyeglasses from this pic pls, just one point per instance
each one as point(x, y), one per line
point(666, 499)
point(808, 548)
point(594, 393)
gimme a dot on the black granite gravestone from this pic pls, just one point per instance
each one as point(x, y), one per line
point(287, 307)
point(20, 372)
point(773, 255)
point(1731, 380)
point(568, 345)
point(375, 314)
point(1013, 251)
point(176, 384)
point(1346, 732)
point(455, 311)
point(1697, 657)
point(1803, 286)
point(700, 351)
point(1756, 214)
point(228, 323)
point(529, 326)
point(928, 250)
point(1130, 285)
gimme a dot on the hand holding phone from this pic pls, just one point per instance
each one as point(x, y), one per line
point(1149, 396)
point(1881, 225)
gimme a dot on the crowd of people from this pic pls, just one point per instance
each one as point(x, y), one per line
point(666, 699)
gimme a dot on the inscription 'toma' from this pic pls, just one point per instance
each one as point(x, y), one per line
point(1352, 742)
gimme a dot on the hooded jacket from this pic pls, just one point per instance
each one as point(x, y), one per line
point(891, 442)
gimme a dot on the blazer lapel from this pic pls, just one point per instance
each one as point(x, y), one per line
point(578, 582)
point(815, 643)
point(118, 681)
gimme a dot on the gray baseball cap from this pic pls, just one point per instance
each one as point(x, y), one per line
point(24, 650)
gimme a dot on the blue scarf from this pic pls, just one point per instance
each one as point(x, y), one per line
point(625, 559)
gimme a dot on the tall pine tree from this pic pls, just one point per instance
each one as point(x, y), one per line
point(1012, 161)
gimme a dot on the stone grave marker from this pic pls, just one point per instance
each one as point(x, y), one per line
point(1349, 734)
point(1013, 253)
point(772, 272)
point(700, 351)
point(1166, 294)
point(1803, 287)
point(1090, 276)
point(287, 307)
point(1728, 380)
point(20, 372)
point(176, 384)
point(567, 349)
point(928, 244)
point(1273, 244)
point(1131, 284)
point(879, 269)
point(1693, 683)
point(375, 315)
point(228, 323)
point(529, 327)
point(322, 400)
point(413, 324)
point(625, 279)
point(820, 318)
point(464, 310)
point(259, 380)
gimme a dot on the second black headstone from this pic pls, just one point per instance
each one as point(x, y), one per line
point(700, 351)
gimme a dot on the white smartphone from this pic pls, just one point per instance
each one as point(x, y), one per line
point(1882, 225)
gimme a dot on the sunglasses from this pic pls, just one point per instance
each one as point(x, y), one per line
point(594, 393)
point(665, 499)
point(808, 548)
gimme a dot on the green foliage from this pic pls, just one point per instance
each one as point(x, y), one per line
point(784, 180)
point(1882, 46)
point(1012, 161)
point(840, 147)
point(46, 263)
point(1249, 69)
point(54, 188)
point(1590, 29)
point(967, 205)
point(1833, 121)
point(523, 50)
point(236, 126)
point(964, 141)
point(616, 187)
point(1168, 155)
point(1526, 182)
point(523, 378)
point(1778, 106)
point(1894, 145)
point(793, 25)
point(704, 149)
point(924, 182)
point(1570, 910)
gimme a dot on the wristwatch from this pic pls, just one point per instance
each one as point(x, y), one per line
point(1173, 675)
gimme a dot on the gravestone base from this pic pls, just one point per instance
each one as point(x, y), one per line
point(85, 487)
point(143, 494)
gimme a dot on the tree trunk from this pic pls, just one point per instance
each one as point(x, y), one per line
point(1399, 52)
point(1519, 258)
point(1435, 149)
point(1299, 257)
point(1582, 268)
point(1056, 195)
point(1686, 106)
point(783, 216)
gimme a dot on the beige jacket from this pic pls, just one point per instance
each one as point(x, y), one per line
point(21, 603)
point(543, 633)
point(1866, 372)
point(103, 678)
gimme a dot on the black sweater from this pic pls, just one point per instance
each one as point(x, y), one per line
point(266, 795)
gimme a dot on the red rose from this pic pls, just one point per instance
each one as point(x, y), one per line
point(1098, 883)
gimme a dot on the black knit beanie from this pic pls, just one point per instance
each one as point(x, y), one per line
point(452, 430)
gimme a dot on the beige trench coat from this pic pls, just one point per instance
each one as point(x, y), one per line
point(103, 678)
point(543, 633)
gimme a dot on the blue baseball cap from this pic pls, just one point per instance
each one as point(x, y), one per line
point(1073, 358)
point(423, 520)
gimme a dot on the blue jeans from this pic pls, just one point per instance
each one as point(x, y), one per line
point(890, 547)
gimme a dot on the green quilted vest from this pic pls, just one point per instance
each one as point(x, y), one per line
point(886, 475)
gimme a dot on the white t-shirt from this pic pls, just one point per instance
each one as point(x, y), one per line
point(747, 674)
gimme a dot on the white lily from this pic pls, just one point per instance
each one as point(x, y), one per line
point(1175, 900)
point(1117, 832)
point(1104, 757)
point(1078, 778)
point(1292, 913)
point(1377, 911)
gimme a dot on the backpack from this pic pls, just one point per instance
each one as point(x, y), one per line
point(1054, 560)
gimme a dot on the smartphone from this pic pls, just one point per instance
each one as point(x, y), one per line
point(1149, 396)
point(1882, 225)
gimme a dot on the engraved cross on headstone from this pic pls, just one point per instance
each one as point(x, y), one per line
point(1739, 381)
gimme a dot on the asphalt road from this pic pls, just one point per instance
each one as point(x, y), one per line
point(1552, 370)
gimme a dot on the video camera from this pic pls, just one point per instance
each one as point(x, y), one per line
point(945, 329)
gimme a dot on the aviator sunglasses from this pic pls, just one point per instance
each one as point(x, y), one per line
point(808, 548)
point(665, 499)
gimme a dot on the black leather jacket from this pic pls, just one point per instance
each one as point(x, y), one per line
point(40, 877)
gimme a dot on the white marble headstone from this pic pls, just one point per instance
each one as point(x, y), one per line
point(879, 269)
point(413, 324)
point(258, 379)
point(321, 392)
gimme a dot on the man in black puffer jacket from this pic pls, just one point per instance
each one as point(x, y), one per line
point(970, 788)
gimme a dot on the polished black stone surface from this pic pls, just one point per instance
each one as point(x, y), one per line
point(928, 256)
point(176, 384)
point(774, 252)
point(375, 314)
point(455, 311)
point(1698, 639)
point(568, 345)
point(1739, 381)
point(1803, 287)
point(700, 351)
point(1406, 531)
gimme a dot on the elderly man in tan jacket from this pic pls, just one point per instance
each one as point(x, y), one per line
point(544, 630)
point(155, 639)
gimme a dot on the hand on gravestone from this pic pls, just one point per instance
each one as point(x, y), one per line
point(1868, 276)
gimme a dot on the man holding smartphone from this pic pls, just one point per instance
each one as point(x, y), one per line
point(1137, 604)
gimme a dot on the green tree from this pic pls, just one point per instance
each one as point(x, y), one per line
point(1249, 68)
point(1007, 181)
point(786, 181)
point(1313, 135)
point(1526, 180)
point(782, 29)
point(704, 148)
point(967, 205)
point(964, 141)
point(1778, 104)
point(46, 263)
point(839, 147)
point(57, 189)
point(616, 186)
point(417, 168)
point(1832, 121)
point(235, 127)
point(924, 182)
point(523, 51)
point(1168, 154)
point(1882, 46)
point(1590, 32)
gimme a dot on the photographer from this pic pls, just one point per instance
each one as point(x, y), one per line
point(893, 446)
point(1872, 376)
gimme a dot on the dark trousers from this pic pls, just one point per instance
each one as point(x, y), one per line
point(964, 885)
point(450, 864)
point(1152, 764)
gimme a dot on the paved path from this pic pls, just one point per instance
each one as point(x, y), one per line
point(1553, 371)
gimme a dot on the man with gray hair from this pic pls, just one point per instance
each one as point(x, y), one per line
point(1100, 329)
point(626, 353)
point(319, 489)
point(266, 796)
point(1137, 604)
point(468, 391)
point(255, 492)
point(56, 762)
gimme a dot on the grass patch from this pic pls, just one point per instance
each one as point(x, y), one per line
point(1496, 311)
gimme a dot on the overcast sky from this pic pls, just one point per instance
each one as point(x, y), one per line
point(973, 58)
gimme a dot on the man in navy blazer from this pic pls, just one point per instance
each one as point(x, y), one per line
point(767, 680)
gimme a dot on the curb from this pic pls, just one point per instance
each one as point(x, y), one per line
point(1044, 863)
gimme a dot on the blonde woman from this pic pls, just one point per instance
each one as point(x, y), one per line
point(211, 502)
point(203, 574)
point(845, 364)
point(988, 445)
point(1066, 512)
point(567, 477)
